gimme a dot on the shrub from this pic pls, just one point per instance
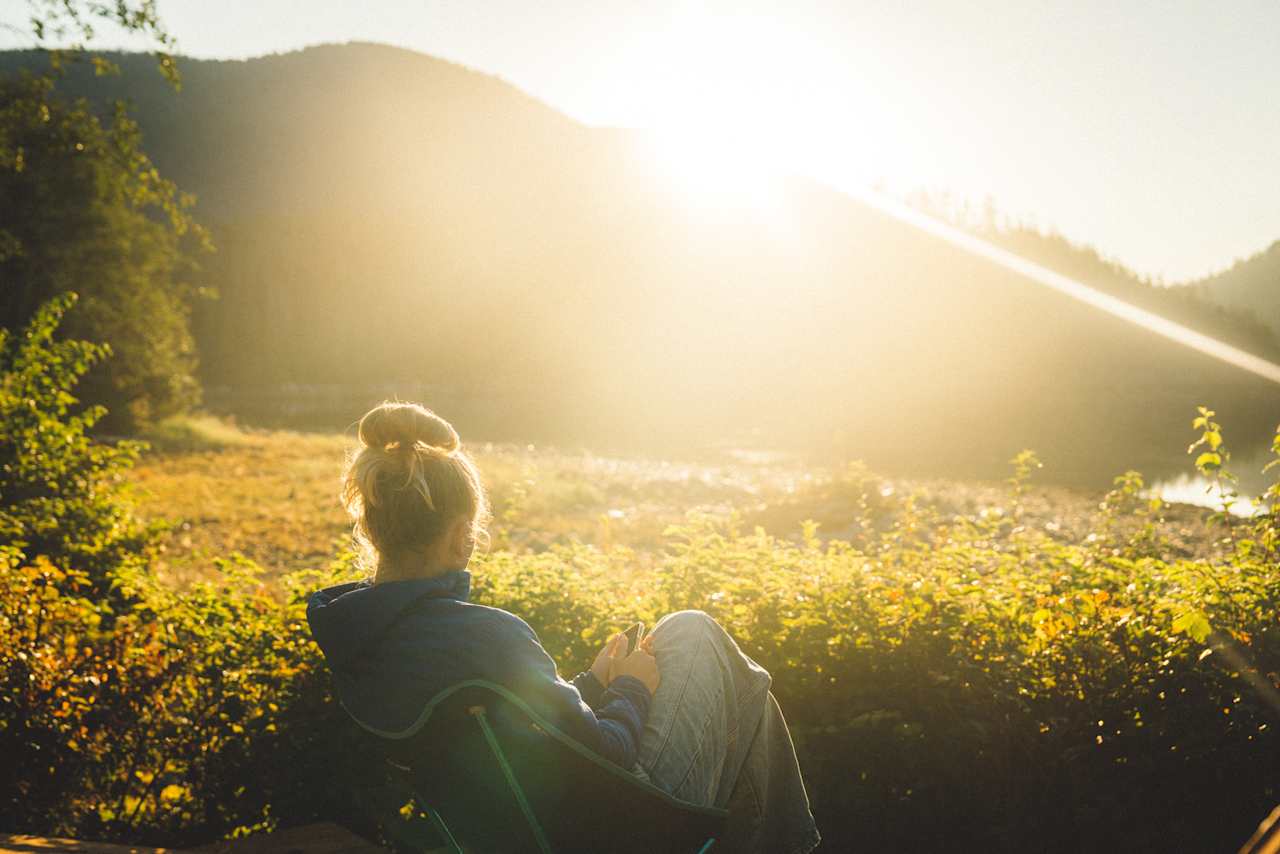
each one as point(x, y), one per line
point(61, 492)
point(174, 718)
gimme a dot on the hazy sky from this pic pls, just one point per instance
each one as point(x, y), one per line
point(1148, 129)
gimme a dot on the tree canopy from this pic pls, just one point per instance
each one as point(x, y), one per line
point(86, 210)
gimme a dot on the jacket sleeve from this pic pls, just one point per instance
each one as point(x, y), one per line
point(589, 687)
point(612, 729)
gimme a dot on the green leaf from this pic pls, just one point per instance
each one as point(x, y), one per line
point(1194, 624)
point(1208, 460)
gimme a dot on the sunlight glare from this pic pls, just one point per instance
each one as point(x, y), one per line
point(722, 128)
point(713, 170)
point(727, 124)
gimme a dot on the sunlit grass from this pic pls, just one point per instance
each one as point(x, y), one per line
point(273, 497)
point(195, 433)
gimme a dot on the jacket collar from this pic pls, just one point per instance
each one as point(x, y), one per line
point(347, 618)
point(455, 584)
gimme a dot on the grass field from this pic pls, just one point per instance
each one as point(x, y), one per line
point(273, 497)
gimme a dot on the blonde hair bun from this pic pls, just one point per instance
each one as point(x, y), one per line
point(409, 482)
point(405, 425)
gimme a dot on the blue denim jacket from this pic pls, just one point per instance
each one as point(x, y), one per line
point(394, 646)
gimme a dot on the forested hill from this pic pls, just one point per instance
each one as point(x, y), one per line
point(1235, 314)
point(1252, 284)
point(385, 217)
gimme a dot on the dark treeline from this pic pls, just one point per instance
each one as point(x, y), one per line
point(84, 210)
point(1251, 283)
point(385, 218)
point(1245, 316)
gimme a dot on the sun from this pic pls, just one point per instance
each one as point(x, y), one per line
point(731, 109)
point(713, 168)
point(736, 101)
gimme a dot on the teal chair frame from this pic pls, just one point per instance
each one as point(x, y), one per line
point(494, 775)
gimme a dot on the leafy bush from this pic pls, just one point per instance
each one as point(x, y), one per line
point(128, 709)
point(60, 491)
point(174, 718)
point(967, 685)
point(959, 687)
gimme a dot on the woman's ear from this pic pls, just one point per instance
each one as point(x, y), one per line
point(461, 540)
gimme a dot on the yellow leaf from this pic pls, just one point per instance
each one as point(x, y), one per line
point(1208, 459)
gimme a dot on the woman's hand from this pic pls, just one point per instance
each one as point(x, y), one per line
point(640, 664)
point(600, 668)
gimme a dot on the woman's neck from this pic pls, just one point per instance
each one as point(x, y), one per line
point(409, 569)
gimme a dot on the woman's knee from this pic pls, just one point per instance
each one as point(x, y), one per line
point(687, 623)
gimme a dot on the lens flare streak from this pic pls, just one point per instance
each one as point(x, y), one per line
point(1072, 288)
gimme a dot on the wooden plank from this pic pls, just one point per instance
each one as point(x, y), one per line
point(1266, 839)
point(321, 838)
point(21, 843)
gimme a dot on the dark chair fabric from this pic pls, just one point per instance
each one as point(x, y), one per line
point(477, 751)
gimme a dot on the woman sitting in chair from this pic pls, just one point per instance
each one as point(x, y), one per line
point(687, 711)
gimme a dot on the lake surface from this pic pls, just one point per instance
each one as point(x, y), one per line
point(1193, 488)
point(1086, 461)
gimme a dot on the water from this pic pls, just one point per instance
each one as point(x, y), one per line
point(1200, 491)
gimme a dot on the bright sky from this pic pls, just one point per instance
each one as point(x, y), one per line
point(1148, 128)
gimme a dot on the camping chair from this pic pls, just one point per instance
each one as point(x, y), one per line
point(494, 775)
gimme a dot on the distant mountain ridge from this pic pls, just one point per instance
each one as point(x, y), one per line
point(1251, 284)
point(1236, 322)
point(384, 217)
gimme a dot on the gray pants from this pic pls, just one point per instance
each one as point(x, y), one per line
point(716, 737)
